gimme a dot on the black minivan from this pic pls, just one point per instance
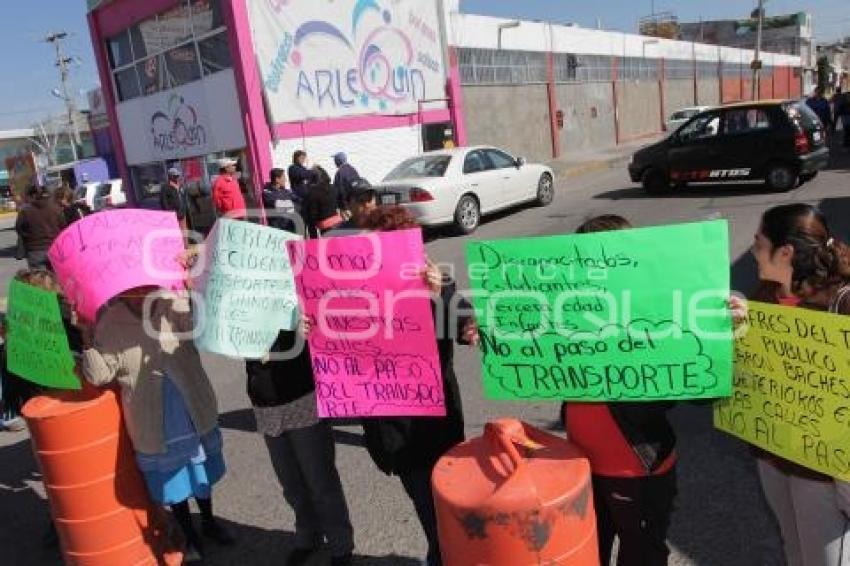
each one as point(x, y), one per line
point(780, 142)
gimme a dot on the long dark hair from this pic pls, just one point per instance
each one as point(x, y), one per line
point(821, 263)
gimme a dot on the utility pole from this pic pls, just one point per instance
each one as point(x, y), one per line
point(67, 93)
point(756, 64)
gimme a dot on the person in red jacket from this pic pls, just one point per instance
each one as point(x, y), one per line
point(631, 448)
point(226, 194)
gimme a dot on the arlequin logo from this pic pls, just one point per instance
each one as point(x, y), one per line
point(387, 69)
point(177, 127)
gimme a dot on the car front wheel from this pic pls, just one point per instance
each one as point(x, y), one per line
point(781, 177)
point(467, 215)
point(545, 190)
point(655, 182)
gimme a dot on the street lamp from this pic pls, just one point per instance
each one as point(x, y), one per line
point(756, 64)
point(72, 121)
point(504, 26)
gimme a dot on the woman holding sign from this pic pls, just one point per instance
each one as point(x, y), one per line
point(801, 264)
point(143, 340)
point(302, 450)
point(409, 447)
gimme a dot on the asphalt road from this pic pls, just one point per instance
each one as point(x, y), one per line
point(720, 520)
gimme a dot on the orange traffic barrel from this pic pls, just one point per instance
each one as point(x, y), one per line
point(515, 496)
point(97, 496)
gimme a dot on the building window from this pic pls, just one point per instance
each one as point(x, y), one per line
point(127, 84)
point(182, 65)
point(148, 179)
point(215, 53)
point(172, 48)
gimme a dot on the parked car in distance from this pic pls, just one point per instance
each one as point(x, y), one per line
point(681, 116)
point(457, 186)
point(780, 142)
point(109, 195)
point(86, 193)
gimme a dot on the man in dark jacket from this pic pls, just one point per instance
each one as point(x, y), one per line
point(37, 225)
point(279, 202)
point(841, 107)
point(300, 176)
point(345, 177)
point(173, 197)
point(820, 106)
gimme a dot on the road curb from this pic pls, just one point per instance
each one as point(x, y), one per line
point(589, 167)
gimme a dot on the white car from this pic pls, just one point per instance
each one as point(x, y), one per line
point(457, 186)
point(109, 195)
point(681, 116)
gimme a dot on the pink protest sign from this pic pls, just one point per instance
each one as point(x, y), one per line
point(107, 253)
point(372, 341)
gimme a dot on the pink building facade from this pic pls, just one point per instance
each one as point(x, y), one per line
point(186, 82)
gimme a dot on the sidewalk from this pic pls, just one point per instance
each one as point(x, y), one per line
point(574, 164)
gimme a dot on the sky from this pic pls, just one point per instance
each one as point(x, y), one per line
point(28, 74)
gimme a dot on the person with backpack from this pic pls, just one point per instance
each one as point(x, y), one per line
point(345, 178)
point(802, 264)
point(632, 453)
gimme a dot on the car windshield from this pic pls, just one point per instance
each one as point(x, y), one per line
point(425, 166)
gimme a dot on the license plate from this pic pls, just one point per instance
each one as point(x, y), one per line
point(817, 136)
point(389, 198)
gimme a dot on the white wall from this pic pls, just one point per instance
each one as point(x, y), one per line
point(373, 153)
point(470, 30)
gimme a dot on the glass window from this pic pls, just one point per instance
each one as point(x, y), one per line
point(429, 166)
point(148, 179)
point(474, 163)
point(704, 126)
point(174, 26)
point(500, 159)
point(215, 53)
point(127, 84)
point(151, 75)
point(119, 50)
point(206, 16)
point(745, 120)
point(139, 49)
point(182, 65)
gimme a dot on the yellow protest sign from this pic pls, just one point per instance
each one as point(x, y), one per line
point(791, 392)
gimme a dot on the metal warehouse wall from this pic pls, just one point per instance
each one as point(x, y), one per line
point(588, 116)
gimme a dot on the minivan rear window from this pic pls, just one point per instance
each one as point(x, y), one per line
point(803, 115)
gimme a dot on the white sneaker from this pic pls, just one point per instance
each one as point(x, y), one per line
point(16, 424)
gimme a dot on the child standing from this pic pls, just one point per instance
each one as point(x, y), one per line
point(631, 448)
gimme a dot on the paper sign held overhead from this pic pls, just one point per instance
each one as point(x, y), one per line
point(107, 253)
point(627, 315)
point(36, 342)
point(791, 392)
point(247, 287)
point(372, 344)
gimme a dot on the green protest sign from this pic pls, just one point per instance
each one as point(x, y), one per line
point(248, 289)
point(629, 315)
point(36, 342)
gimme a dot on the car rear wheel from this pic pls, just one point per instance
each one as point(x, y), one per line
point(781, 177)
point(545, 190)
point(467, 215)
point(655, 182)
